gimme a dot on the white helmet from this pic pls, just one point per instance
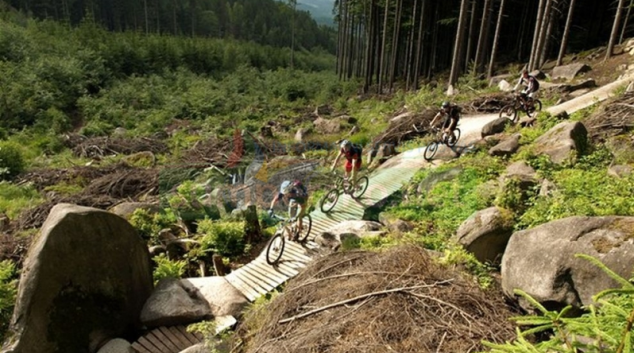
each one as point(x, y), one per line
point(345, 143)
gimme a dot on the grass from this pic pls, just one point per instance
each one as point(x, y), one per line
point(16, 198)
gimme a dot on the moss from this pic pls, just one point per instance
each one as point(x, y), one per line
point(625, 226)
point(602, 245)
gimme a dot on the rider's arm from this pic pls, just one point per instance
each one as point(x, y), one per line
point(336, 161)
point(275, 199)
point(354, 168)
point(433, 122)
point(519, 82)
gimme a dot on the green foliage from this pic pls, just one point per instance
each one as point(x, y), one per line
point(606, 327)
point(149, 224)
point(168, 268)
point(16, 198)
point(8, 292)
point(457, 255)
point(545, 122)
point(368, 242)
point(11, 161)
point(222, 237)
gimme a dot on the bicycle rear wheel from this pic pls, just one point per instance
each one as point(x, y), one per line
point(360, 187)
point(307, 224)
point(329, 200)
point(509, 112)
point(275, 249)
point(456, 132)
point(430, 151)
point(537, 107)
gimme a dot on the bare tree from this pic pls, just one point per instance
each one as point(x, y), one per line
point(382, 63)
point(538, 23)
point(627, 18)
point(615, 28)
point(496, 37)
point(457, 55)
point(564, 38)
point(470, 32)
point(479, 58)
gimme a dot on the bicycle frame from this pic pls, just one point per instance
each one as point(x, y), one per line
point(284, 225)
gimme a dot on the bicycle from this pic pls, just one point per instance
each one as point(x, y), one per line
point(287, 226)
point(343, 186)
point(511, 111)
point(440, 138)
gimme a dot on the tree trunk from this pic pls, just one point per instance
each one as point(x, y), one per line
point(564, 38)
point(419, 45)
point(519, 46)
point(543, 29)
point(294, 6)
point(615, 28)
point(496, 38)
point(395, 42)
point(538, 24)
point(382, 63)
point(479, 59)
point(627, 18)
point(369, 63)
point(252, 229)
point(457, 55)
point(147, 24)
point(470, 33)
point(339, 36)
point(409, 66)
point(547, 37)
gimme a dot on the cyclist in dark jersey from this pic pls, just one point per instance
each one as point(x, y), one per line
point(353, 157)
point(293, 191)
point(451, 113)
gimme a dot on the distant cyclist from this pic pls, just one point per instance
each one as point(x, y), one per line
point(451, 113)
point(293, 191)
point(353, 157)
point(532, 85)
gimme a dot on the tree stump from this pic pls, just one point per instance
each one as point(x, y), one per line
point(252, 229)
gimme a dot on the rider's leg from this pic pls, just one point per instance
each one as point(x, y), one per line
point(452, 128)
point(300, 216)
point(348, 169)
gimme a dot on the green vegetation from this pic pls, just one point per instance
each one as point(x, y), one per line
point(167, 268)
point(14, 199)
point(605, 327)
point(8, 290)
point(224, 237)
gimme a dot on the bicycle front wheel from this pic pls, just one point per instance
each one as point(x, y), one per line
point(307, 225)
point(537, 107)
point(430, 151)
point(275, 249)
point(360, 187)
point(452, 143)
point(509, 112)
point(329, 200)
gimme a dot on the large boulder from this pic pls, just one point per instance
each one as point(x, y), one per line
point(486, 233)
point(394, 224)
point(494, 127)
point(335, 235)
point(126, 209)
point(327, 126)
point(520, 168)
point(174, 302)
point(569, 72)
point(117, 345)
point(507, 147)
point(563, 142)
point(221, 295)
point(620, 171)
point(84, 281)
point(541, 261)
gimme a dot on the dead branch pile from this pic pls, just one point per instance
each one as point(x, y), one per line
point(220, 153)
point(396, 301)
point(97, 147)
point(125, 183)
point(80, 175)
point(405, 128)
point(487, 104)
point(614, 119)
point(13, 248)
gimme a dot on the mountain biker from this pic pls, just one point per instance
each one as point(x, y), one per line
point(353, 157)
point(532, 85)
point(451, 113)
point(293, 191)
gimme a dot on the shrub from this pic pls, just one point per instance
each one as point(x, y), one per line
point(11, 161)
point(149, 224)
point(8, 291)
point(223, 237)
point(168, 268)
point(14, 199)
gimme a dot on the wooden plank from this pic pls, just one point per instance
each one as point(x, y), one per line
point(182, 330)
point(176, 331)
point(140, 348)
point(149, 345)
point(166, 341)
point(240, 286)
point(174, 338)
point(256, 283)
point(239, 275)
point(273, 269)
point(270, 279)
point(158, 343)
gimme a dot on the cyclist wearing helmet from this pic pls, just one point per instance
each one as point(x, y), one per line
point(532, 85)
point(353, 157)
point(292, 191)
point(451, 113)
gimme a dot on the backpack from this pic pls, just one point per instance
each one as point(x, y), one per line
point(358, 148)
point(300, 188)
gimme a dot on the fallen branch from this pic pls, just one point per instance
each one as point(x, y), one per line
point(367, 295)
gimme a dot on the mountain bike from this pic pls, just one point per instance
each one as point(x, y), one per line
point(440, 138)
point(511, 111)
point(343, 186)
point(287, 227)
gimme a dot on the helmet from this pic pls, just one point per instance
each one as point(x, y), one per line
point(524, 72)
point(286, 187)
point(345, 143)
point(444, 105)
